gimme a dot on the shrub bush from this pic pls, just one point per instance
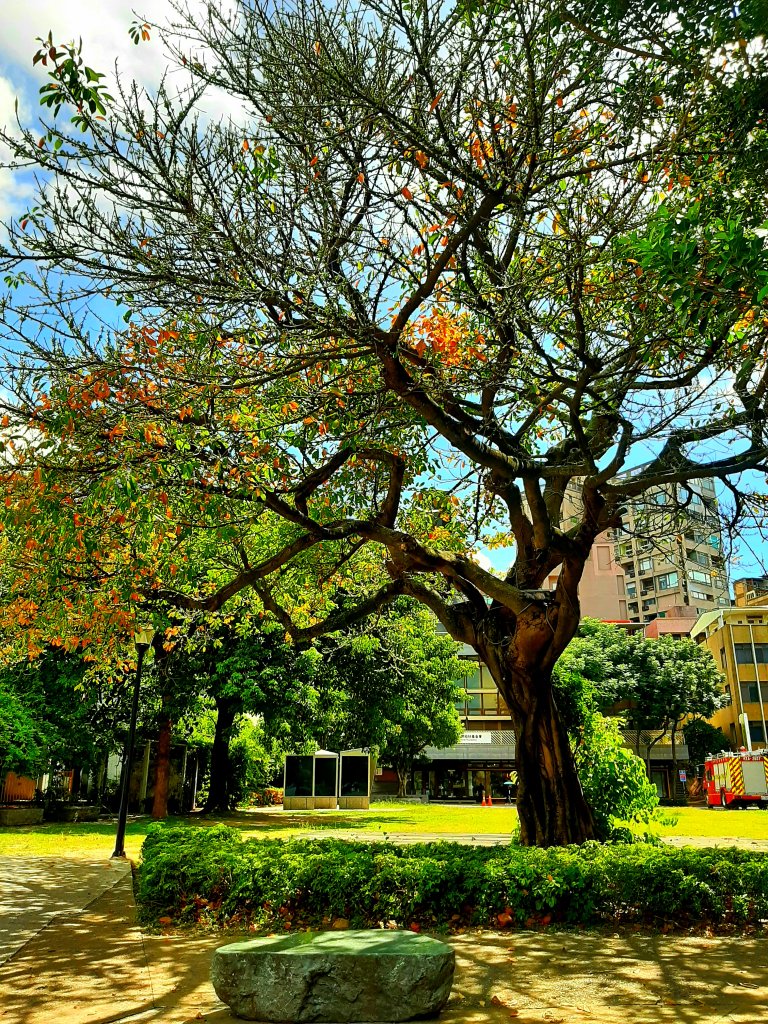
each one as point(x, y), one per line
point(210, 876)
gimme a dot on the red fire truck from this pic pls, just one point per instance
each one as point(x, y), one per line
point(737, 779)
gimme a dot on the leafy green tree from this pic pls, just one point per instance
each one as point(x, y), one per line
point(391, 683)
point(686, 684)
point(58, 713)
point(245, 666)
point(23, 740)
point(255, 760)
point(614, 779)
point(586, 677)
point(448, 260)
point(655, 684)
point(702, 739)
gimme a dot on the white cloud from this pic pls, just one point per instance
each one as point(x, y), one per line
point(105, 39)
point(15, 191)
point(104, 32)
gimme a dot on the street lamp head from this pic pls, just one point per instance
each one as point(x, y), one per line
point(142, 638)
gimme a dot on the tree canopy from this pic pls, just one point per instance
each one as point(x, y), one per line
point(655, 684)
point(442, 262)
point(391, 683)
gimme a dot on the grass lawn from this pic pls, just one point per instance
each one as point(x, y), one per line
point(716, 823)
point(96, 840)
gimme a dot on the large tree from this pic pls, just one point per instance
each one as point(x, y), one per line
point(442, 262)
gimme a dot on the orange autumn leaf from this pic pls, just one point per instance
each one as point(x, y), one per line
point(407, 193)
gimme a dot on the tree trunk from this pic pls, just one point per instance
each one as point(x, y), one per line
point(550, 802)
point(74, 793)
point(162, 769)
point(220, 787)
point(402, 780)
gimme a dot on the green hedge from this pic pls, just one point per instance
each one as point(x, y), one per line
point(209, 875)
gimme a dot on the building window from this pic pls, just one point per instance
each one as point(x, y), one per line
point(722, 657)
point(699, 595)
point(667, 581)
point(697, 556)
point(749, 694)
point(645, 564)
point(756, 732)
point(631, 590)
point(744, 654)
point(701, 577)
point(728, 695)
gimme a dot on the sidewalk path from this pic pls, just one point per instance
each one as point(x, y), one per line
point(80, 959)
point(34, 891)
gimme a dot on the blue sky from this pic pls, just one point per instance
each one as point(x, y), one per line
point(104, 32)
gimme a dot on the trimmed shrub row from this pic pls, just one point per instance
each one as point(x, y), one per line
point(209, 875)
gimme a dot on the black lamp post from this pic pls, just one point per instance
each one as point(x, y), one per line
point(142, 639)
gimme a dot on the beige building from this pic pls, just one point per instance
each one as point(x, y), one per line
point(602, 593)
point(672, 556)
point(738, 641)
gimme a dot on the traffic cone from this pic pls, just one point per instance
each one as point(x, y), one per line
point(484, 802)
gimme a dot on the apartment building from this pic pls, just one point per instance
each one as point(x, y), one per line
point(738, 641)
point(670, 548)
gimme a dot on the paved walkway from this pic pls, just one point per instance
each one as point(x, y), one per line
point(75, 956)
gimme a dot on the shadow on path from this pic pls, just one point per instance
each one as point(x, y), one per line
point(90, 964)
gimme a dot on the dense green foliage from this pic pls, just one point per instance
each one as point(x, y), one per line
point(658, 681)
point(49, 718)
point(22, 738)
point(211, 876)
point(614, 779)
point(702, 739)
point(391, 683)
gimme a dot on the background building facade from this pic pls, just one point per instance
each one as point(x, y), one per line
point(738, 641)
point(670, 548)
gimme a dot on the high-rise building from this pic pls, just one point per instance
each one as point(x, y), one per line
point(670, 547)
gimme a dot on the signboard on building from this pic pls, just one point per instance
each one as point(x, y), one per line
point(475, 737)
point(683, 775)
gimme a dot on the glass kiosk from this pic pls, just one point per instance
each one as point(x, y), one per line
point(326, 779)
point(297, 783)
point(310, 780)
point(355, 781)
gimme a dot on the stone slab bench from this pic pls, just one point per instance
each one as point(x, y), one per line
point(335, 977)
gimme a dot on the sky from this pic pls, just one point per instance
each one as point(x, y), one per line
point(104, 30)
